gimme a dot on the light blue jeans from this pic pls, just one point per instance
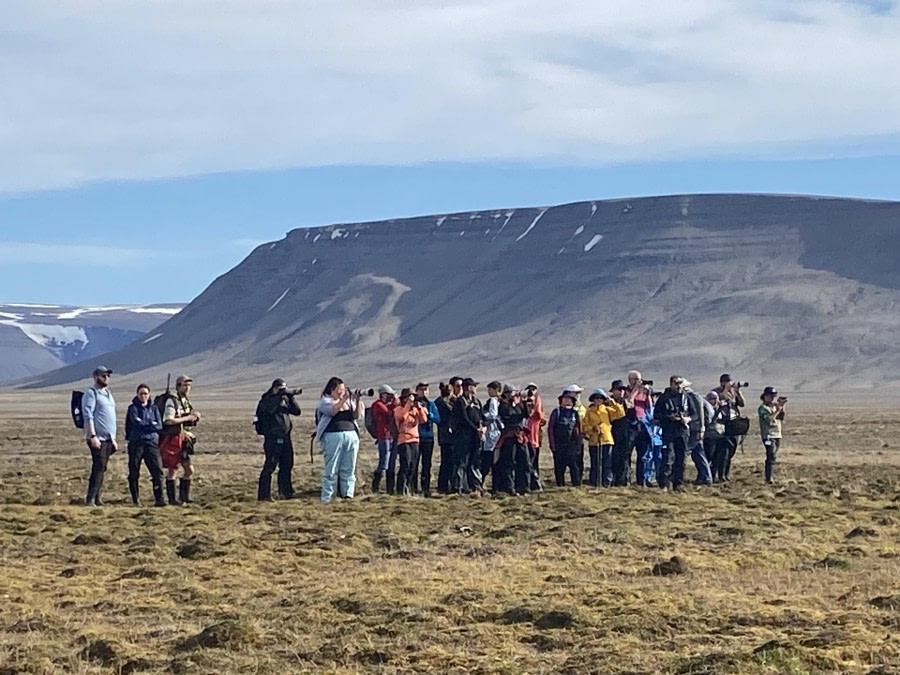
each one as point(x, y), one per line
point(340, 449)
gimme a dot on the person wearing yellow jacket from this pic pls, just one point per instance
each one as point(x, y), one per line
point(598, 419)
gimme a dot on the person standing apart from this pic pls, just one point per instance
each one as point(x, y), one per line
point(771, 417)
point(273, 420)
point(99, 409)
point(142, 426)
point(337, 431)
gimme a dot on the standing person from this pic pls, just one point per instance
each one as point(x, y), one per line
point(715, 445)
point(468, 432)
point(639, 394)
point(771, 418)
point(177, 442)
point(599, 421)
point(408, 415)
point(673, 412)
point(444, 405)
point(623, 431)
point(99, 409)
point(426, 440)
point(575, 391)
point(273, 419)
point(536, 422)
point(142, 426)
point(564, 432)
point(698, 426)
point(337, 431)
point(383, 412)
point(492, 431)
point(653, 451)
point(731, 394)
point(456, 385)
point(512, 471)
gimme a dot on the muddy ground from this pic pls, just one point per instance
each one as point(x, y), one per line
point(802, 577)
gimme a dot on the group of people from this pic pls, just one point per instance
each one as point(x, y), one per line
point(633, 434)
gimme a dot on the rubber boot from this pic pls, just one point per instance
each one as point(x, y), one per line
point(135, 490)
point(158, 495)
point(390, 482)
point(376, 481)
point(184, 490)
point(170, 492)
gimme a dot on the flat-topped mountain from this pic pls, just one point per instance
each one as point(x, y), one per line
point(800, 291)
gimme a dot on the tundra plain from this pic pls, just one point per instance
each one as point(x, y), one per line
point(802, 577)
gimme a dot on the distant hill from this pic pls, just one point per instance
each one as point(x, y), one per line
point(35, 339)
point(799, 291)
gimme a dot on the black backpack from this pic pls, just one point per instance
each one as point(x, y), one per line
point(267, 421)
point(77, 412)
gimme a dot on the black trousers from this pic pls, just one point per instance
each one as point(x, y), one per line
point(446, 469)
point(671, 468)
point(426, 453)
point(467, 454)
point(99, 460)
point(408, 456)
point(504, 469)
point(566, 457)
point(621, 457)
point(146, 452)
point(487, 466)
point(279, 455)
point(534, 454)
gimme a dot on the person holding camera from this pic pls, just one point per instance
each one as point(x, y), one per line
point(639, 396)
point(732, 397)
point(531, 397)
point(273, 423)
point(444, 405)
point(383, 413)
point(513, 470)
point(601, 414)
point(408, 415)
point(674, 412)
point(564, 431)
point(624, 430)
point(177, 441)
point(771, 418)
point(337, 430)
point(492, 430)
point(426, 440)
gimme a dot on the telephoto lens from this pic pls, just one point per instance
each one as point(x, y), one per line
point(296, 392)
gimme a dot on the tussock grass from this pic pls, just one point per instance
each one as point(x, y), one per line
point(802, 578)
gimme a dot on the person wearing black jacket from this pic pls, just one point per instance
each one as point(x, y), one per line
point(143, 423)
point(444, 406)
point(273, 422)
point(624, 431)
point(512, 472)
point(468, 431)
point(674, 413)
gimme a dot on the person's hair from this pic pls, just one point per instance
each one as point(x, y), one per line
point(142, 386)
point(331, 386)
point(454, 380)
point(636, 373)
point(445, 389)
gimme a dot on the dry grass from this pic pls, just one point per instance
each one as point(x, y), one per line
point(559, 582)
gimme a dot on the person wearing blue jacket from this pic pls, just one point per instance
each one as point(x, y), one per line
point(426, 441)
point(143, 423)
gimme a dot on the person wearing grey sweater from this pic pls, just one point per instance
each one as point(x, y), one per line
point(99, 409)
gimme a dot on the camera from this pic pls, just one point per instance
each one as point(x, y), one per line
point(364, 392)
point(782, 399)
point(647, 383)
point(741, 384)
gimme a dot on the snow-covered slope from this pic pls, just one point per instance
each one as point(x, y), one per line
point(38, 338)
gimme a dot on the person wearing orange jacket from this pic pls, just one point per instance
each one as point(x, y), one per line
point(598, 419)
point(408, 415)
point(536, 422)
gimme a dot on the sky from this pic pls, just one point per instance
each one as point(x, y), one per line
point(155, 137)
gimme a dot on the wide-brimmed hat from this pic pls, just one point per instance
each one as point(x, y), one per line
point(599, 392)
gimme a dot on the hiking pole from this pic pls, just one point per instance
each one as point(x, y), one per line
point(312, 442)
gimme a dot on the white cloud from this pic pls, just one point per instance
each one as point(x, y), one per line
point(80, 255)
point(151, 88)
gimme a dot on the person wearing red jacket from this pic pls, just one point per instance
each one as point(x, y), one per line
point(536, 422)
point(408, 415)
point(383, 411)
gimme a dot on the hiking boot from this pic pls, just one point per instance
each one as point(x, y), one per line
point(158, 495)
point(376, 480)
point(135, 491)
point(184, 491)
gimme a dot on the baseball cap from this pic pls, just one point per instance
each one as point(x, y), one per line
point(102, 370)
point(770, 391)
point(422, 385)
point(531, 385)
point(278, 383)
point(509, 388)
point(468, 382)
point(618, 384)
point(182, 379)
point(386, 389)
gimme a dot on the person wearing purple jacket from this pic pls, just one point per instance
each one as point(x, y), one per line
point(142, 426)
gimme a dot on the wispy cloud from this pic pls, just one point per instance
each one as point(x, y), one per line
point(77, 255)
point(97, 91)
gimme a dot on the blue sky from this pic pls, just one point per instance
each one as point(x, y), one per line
point(125, 124)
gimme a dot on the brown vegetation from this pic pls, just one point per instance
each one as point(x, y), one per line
point(802, 578)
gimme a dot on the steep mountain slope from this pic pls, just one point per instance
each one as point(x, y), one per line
point(801, 290)
point(37, 338)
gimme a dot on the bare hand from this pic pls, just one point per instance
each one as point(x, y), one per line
point(115, 446)
point(94, 443)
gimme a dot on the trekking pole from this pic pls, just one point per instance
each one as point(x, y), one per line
point(312, 442)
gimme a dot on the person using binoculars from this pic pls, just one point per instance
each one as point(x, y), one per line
point(598, 421)
point(408, 415)
point(771, 417)
point(273, 423)
point(383, 412)
point(732, 398)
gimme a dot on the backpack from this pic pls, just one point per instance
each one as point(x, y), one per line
point(392, 425)
point(160, 403)
point(565, 423)
point(739, 426)
point(266, 421)
point(77, 412)
point(370, 422)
